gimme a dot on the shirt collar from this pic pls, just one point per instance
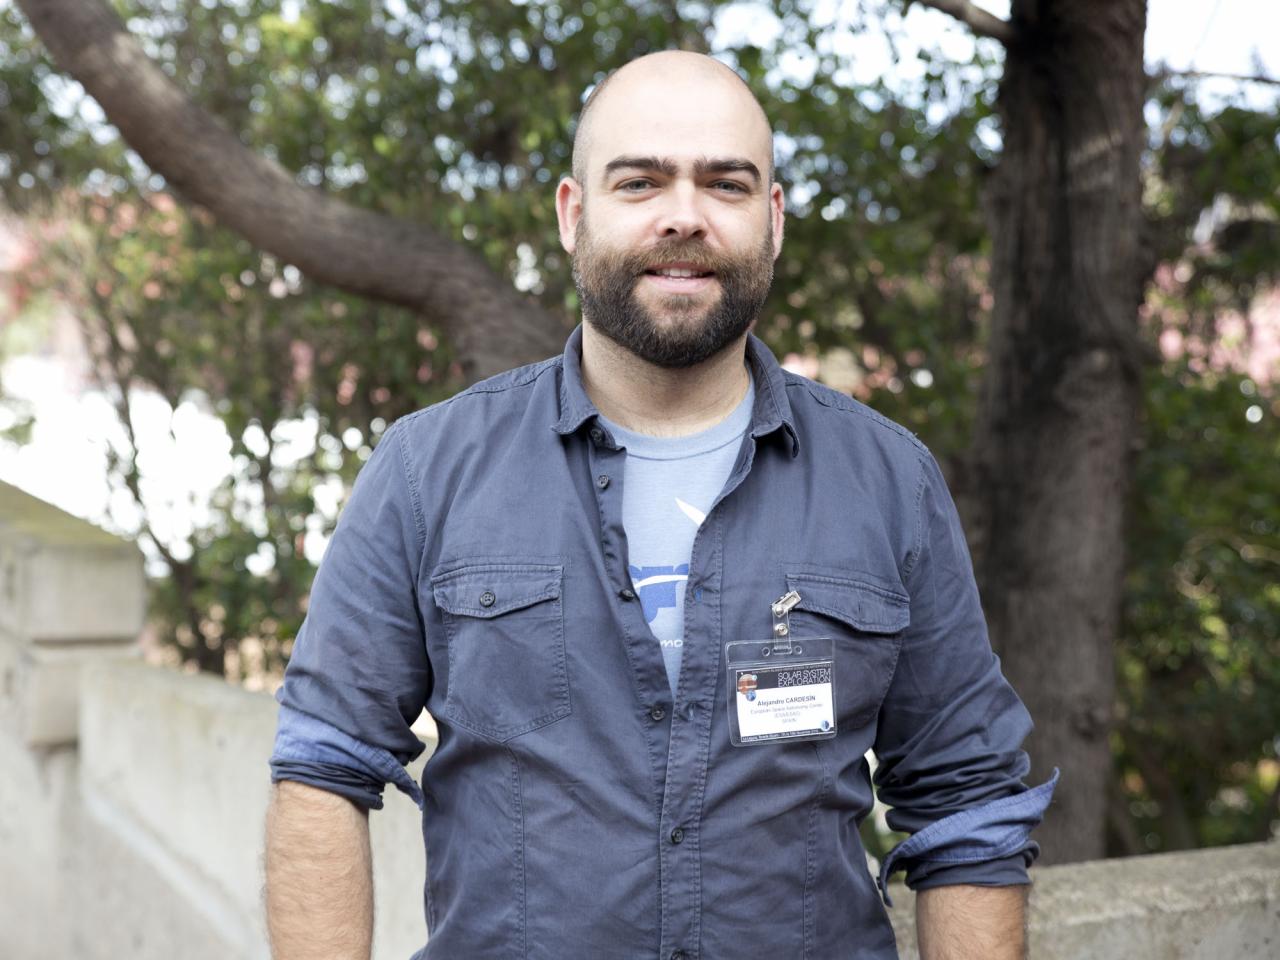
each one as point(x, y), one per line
point(772, 411)
point(575, 406)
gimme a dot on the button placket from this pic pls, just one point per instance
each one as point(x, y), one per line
point(604, 461)
point(679, 852)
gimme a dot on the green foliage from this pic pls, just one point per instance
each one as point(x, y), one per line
point(884, 269)
point(1217, 172)
point(42, 146)
point(1199, 665)
point(459, 113)
point(1199, 660)
point(169, 302)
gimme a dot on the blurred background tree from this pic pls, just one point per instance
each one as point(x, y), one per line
point(456, 117)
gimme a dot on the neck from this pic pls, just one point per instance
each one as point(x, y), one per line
point(660, 401)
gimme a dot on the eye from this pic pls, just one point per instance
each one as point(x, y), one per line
point(729, 186)
point(635, 186)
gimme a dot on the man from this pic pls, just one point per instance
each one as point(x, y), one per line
point(661, 597)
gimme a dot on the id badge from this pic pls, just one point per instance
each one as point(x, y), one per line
point(782, 688)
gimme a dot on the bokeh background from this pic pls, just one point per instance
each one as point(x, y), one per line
point(173, 371)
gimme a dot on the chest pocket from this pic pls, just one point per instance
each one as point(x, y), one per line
point(865, 621)
point(505, 629)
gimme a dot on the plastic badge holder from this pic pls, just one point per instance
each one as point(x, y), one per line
point(782, 688)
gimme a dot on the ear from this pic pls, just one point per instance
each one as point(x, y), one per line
point(568, 212)
point(777, 207)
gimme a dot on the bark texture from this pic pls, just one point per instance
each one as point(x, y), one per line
point(1052, 450)
point(367, 253)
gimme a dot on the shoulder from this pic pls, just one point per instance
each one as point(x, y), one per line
point(811, 400)
point(506, 391)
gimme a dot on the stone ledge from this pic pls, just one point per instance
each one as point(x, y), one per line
point(27, 517)
point(1217, 904)
point(46, 689)
point(62, 579)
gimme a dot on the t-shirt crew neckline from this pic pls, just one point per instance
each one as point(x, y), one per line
point(648, 447)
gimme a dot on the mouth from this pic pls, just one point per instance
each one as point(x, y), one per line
point(680, 277)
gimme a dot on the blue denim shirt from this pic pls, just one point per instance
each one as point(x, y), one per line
point(572, 807)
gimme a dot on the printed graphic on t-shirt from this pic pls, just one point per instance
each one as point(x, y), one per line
point(657, 587)
point(692, 512)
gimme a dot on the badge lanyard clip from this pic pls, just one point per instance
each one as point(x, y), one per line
point(781, 609)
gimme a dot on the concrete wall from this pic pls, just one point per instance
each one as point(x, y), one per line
point(132, 802)
point(174, 786)
point(1220, 904)
point(70, 595)
point(132, 799)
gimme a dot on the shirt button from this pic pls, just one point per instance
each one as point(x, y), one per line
point(626, 593)
point(602, 481)
point(657, 713)
point(678, 955)
point(597, 435)
point(487, 599)
point(677, 835)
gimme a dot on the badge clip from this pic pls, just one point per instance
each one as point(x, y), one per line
point(781, 610)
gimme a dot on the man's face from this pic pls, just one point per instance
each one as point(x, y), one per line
point(641, 298)
point(675, 229)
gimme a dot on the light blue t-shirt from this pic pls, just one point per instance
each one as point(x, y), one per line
point(668, 488)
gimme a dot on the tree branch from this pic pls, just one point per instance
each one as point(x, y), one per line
point(981, 22)
point(1215, 75)
point(366, 253)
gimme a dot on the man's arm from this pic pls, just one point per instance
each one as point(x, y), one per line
point(319, 869)
point(967, 922)
point(950, 729)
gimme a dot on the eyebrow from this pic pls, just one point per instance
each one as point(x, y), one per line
point(661, 165)
point(701, 167)
point(727, 165)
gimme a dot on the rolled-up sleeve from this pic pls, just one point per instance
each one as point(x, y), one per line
point(358, 676)
point(948, 745)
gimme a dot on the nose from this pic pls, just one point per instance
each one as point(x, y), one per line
point(682, 215)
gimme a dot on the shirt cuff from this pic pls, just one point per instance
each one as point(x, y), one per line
point(1008, 871)
point(356, 788)
point(312, 751)
point(991, 832)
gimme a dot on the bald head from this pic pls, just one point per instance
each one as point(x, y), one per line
point(663, 82)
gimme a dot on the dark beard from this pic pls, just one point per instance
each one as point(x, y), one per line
point(606, 282)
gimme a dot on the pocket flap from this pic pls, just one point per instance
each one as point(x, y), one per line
point(492, 589)
point(860, 603)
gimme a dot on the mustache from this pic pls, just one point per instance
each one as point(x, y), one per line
point(688, 251)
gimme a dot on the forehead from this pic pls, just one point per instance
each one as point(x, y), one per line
point(684, 117)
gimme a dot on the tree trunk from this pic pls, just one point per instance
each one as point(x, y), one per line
point(1052, 446)
point(492, 327)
